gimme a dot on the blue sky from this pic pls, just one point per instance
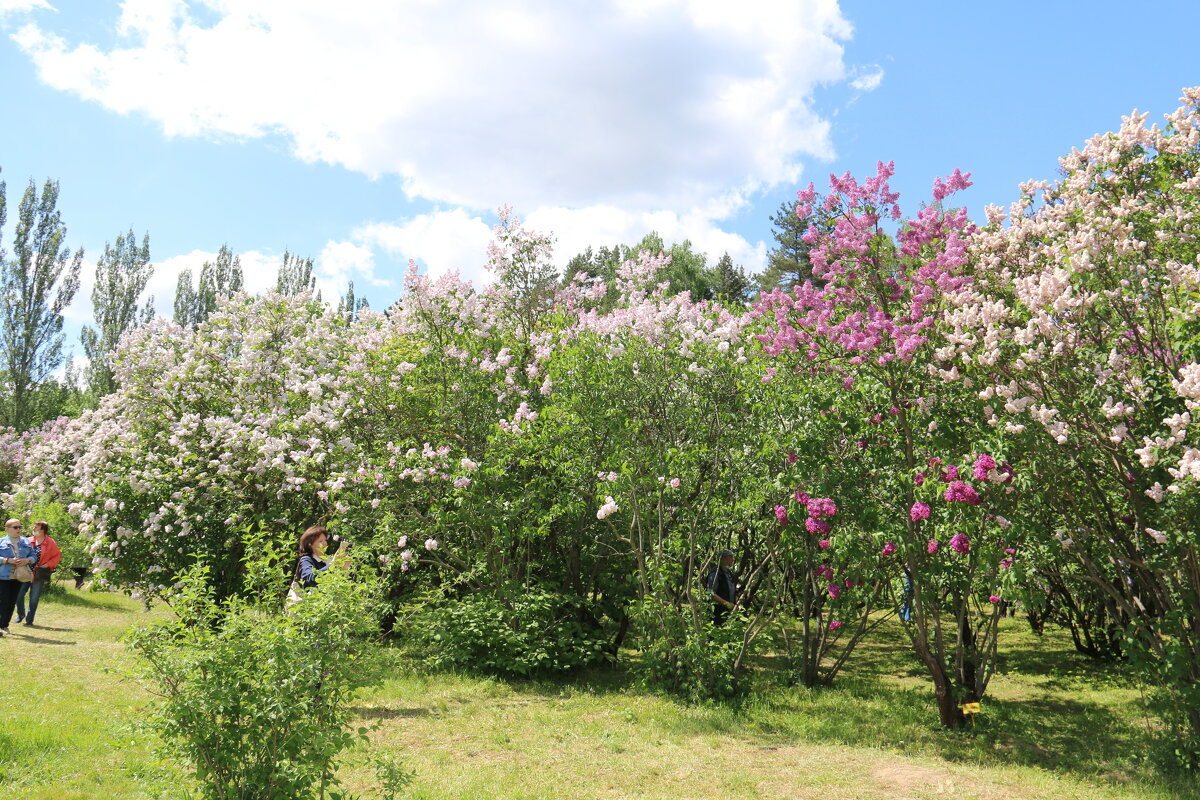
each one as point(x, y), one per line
point(367, 132)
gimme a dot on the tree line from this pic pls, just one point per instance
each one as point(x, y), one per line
point(41, 277)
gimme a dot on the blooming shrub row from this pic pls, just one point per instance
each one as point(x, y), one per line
point(947, 416)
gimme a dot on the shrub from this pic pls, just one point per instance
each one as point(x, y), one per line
point(254, 700)
point(693, 662)
point(522, 631)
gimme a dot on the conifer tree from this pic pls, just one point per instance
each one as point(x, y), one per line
point(787, 263)
point(730, 283)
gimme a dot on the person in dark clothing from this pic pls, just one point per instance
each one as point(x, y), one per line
point(723, 587)
point(312, 556)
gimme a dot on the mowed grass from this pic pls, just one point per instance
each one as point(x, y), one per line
point(1054, 726)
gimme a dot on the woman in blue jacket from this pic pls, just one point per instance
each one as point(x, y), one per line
point(15, 550)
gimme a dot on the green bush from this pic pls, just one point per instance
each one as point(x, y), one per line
point(522, 632)
point(257, 701)
point(693, 662)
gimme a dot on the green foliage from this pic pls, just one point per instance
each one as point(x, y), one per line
point(295, 275)
point(121, 275)
point(519, 631)
point(218, 279)
point(256, 701)
point(731, 283)
point(787, 262)
point(684, 654)
point(36, 285)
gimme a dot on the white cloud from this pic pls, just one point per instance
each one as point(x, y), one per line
point(455, 240)
point(868, 82)
point(338, 264)
point(440, 241)
point(670, 104)
point(17, 6)
point(576, 229)
point(259, 273)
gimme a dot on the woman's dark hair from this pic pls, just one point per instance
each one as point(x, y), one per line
point(43, 525)
point(309, 536)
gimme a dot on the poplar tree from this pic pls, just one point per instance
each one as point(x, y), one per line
point(36, 284)
point(121, 276)
point(349, 306)
point(295, 275)
point(218, 279)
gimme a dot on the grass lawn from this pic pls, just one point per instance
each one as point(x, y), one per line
point(1054, 726)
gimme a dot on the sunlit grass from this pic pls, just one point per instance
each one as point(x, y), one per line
point(1055, 725)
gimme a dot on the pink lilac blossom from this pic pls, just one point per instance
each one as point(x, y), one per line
point(888, 549)
point(961, 492)
point(834, 624)
point(918, 511)
point(960, 543)
point(932, 546)
point(994, 599)
point(814, 525)
point(781, 515)
point(834, 590)
point(821, 507)
point(869, 321)
point(983, 465)
point(609, 508)
point(824, 544)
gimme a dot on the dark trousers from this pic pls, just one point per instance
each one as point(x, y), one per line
point(34, 589)
point(8, 600)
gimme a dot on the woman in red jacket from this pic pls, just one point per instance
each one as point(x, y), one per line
point(49, 556)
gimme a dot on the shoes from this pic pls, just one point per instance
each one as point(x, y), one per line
point(28, 624)
point(20, 619)
point(4, 632)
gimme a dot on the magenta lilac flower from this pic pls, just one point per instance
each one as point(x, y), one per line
point(834, 625)
point(821, 507)
point(961, 492)
point(960, 543)
point(932, 547)
point(781, 515)
point(824, 544)
point(814, 525)
point(994, 599)
point(889, 548)
point(834, 590)
point(918, 511)
point(983, 465)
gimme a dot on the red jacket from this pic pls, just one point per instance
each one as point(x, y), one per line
point(51, 555)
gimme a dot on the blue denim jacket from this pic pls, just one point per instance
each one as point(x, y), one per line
point(25, 549)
